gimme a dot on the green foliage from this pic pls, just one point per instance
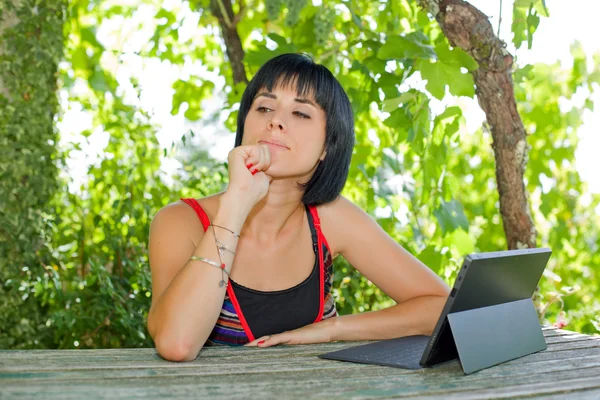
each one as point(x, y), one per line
point(427, 182)
point(526, 18)
point(31, 46)
point(564, 210)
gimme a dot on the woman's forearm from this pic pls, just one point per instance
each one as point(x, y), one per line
point(417, 316)
point(186, 312)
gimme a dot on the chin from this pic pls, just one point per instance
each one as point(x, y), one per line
point(278, 174)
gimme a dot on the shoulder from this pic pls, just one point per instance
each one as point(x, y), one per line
point(178, 218)
point(337, 219)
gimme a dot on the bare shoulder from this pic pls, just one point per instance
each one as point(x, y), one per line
point(336, 218)
point(180, 219)
point(174, 217)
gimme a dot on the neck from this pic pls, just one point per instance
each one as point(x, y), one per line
point(278, 213)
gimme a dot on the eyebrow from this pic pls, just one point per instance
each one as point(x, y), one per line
point(297, 99)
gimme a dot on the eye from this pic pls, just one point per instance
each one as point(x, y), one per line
point(301, 115)
point(263, 110)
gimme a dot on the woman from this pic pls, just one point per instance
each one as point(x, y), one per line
point(253, 265)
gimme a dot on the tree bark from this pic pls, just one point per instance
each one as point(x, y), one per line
point(468, 28)
point(223, 11)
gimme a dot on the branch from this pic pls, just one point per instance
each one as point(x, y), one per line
point(240, 14)
point(224, 14)
point(223, 11)
point(468, 28)
point(499, 19)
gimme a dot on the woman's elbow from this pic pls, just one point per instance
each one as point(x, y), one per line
point(177, 351)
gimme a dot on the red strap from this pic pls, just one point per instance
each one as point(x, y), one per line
point(240, 314)
point(317, 222)
point(320, 239)
point(201, 214)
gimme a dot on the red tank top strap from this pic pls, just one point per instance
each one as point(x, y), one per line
point(317, 223)
point(320, 240)
point(199, 211)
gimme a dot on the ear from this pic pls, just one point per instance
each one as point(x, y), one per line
point(323, 155)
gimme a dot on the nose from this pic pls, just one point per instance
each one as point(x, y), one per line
point(276, 122)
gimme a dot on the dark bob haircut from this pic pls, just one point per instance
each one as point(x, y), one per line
point(311, 78)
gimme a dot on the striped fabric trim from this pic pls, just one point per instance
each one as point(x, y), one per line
point(329, 309)
point(228, 330)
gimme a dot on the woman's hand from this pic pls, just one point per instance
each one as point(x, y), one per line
point(321, 332)
point(247, 182)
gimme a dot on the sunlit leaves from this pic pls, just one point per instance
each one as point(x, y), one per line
point(260, 54)
point(447, 72)
point(450, 216)
point(412, 45)
point(191, 92)
point(565, 221)
point(461, 241)
point(526, 18)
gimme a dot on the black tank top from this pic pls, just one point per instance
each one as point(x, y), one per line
point(263, 311)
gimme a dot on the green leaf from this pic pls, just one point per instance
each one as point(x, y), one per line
point(392, 104)
point(280, 40)
point(440, 75)
point(532, 23)
point(431, 257)
point(523, 3)
point(262, 54)
point(98, 81)
point(399, 121)
point(451, 216)
point(88, 35)
point(435, 76)
point(79, 61)
point(456, 57)
point(168, 15)
point(449, 112)
point(460, 240)
point(519, 26)
point(523, 73)
point(540, 7)
point(413, 45)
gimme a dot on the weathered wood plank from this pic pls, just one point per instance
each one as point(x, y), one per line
point(326, 369)
point(127, 358)
point(309, 385)
point(219, 351)
point(572, 362)
point(225, 351)
point(569, 338)
point(19, 372)
point(583, 394)
point(556, 332)
point(573, 345)
point(273, 357)
point(565, 389)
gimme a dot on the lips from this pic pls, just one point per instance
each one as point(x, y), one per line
point(275, 142)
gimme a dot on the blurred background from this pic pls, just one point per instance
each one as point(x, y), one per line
point(110, 110)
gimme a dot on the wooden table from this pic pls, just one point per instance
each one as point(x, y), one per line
point(569, 368)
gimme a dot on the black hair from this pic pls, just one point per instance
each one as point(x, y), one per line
point(311, 78)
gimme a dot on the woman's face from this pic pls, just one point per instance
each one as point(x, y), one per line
point(294, 125)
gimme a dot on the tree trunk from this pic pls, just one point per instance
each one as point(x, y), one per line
point(31, 45)
point(223, 11)
point(468, 28)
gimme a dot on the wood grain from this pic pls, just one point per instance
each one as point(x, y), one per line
point(569, 367)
